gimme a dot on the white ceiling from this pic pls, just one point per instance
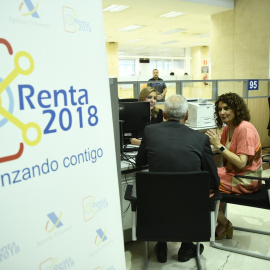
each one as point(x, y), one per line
point(196, 21)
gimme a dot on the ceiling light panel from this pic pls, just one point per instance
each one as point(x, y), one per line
point(130, 28)
point(172, 14)
point(203, 35)
point(173, 31)
point(169, 42)
point(115, 8)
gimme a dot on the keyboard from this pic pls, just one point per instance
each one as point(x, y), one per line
point(130, 149)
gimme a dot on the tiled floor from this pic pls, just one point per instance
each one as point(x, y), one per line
point(212, 258)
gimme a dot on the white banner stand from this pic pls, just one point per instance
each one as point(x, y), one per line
point(59, 195)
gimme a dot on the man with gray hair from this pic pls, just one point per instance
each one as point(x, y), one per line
point(173, 147)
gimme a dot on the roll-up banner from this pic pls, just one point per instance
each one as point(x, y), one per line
point(59, 195)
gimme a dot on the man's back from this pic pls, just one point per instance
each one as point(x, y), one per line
point(173, 147)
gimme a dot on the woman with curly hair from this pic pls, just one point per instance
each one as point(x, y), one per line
point(241, 149)
point(149, 94)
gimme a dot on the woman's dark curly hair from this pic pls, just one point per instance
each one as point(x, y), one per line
point(237, 104)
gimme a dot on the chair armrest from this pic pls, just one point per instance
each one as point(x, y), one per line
point(267, 180)
point(217, 196)
point(267, 159)
point(128, 196)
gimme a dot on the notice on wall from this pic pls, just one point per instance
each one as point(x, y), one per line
point(59, 195)
point(205, 69)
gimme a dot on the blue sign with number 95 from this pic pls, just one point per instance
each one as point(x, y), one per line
point(253, 84)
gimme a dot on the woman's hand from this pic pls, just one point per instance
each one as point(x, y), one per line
point(214, 138)
point(238, 161)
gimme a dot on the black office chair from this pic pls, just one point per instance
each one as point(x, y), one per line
point(259, 199)
point(173, 207)
point(266, 157)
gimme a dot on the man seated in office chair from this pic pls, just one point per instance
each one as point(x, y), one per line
point(173, 147)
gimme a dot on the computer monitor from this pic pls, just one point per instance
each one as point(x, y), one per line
point(133, 116)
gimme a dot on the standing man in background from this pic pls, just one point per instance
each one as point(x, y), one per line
point(159, 85)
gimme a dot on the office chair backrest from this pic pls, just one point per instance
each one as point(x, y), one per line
point(173, 206)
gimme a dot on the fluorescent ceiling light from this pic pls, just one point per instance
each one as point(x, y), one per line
point(115, 8)
point(139, 48)
point(130, 28)
point(168, 42)
point(172, 14)
point(203, 35)
point(136, 40)
point(198, 44)
point(173, 31)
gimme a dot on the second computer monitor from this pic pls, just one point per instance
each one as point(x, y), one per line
point(134, 117)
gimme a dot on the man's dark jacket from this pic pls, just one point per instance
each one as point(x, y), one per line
point(173, 147)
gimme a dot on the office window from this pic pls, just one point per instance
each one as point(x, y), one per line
point(156, 64)
point(179, 64)
point(167, 64)
point(159, 65)
point(126, 67)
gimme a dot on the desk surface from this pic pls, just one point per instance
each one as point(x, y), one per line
point(128, 165)
point(202, 128)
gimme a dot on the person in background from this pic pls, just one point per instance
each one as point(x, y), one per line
point(149, 94)
point(185, 74)
point(159, 85)
point(171, 146)
point(241, 149)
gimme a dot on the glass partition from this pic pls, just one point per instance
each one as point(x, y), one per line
point(231, 86)
point(262, 89)
point(171, 88)
point(200, 89)
point(126, 90)
point(209, 89)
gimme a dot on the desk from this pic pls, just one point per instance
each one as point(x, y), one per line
point(128, 170)
point(202, 129)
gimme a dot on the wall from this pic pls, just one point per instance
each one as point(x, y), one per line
point(240, 50)
point(112, 59)
point(240, 41)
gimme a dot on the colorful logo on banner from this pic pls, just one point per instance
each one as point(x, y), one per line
point(51, 263)
point(100, 237)
point(31, 8)
point(8, 114)
point(91, 207)
point(54, 220)
point(31, 132)
point(72, 22)
point(88, 210)
point(48, 264)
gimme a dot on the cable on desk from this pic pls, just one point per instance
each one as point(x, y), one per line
point(130, 160)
